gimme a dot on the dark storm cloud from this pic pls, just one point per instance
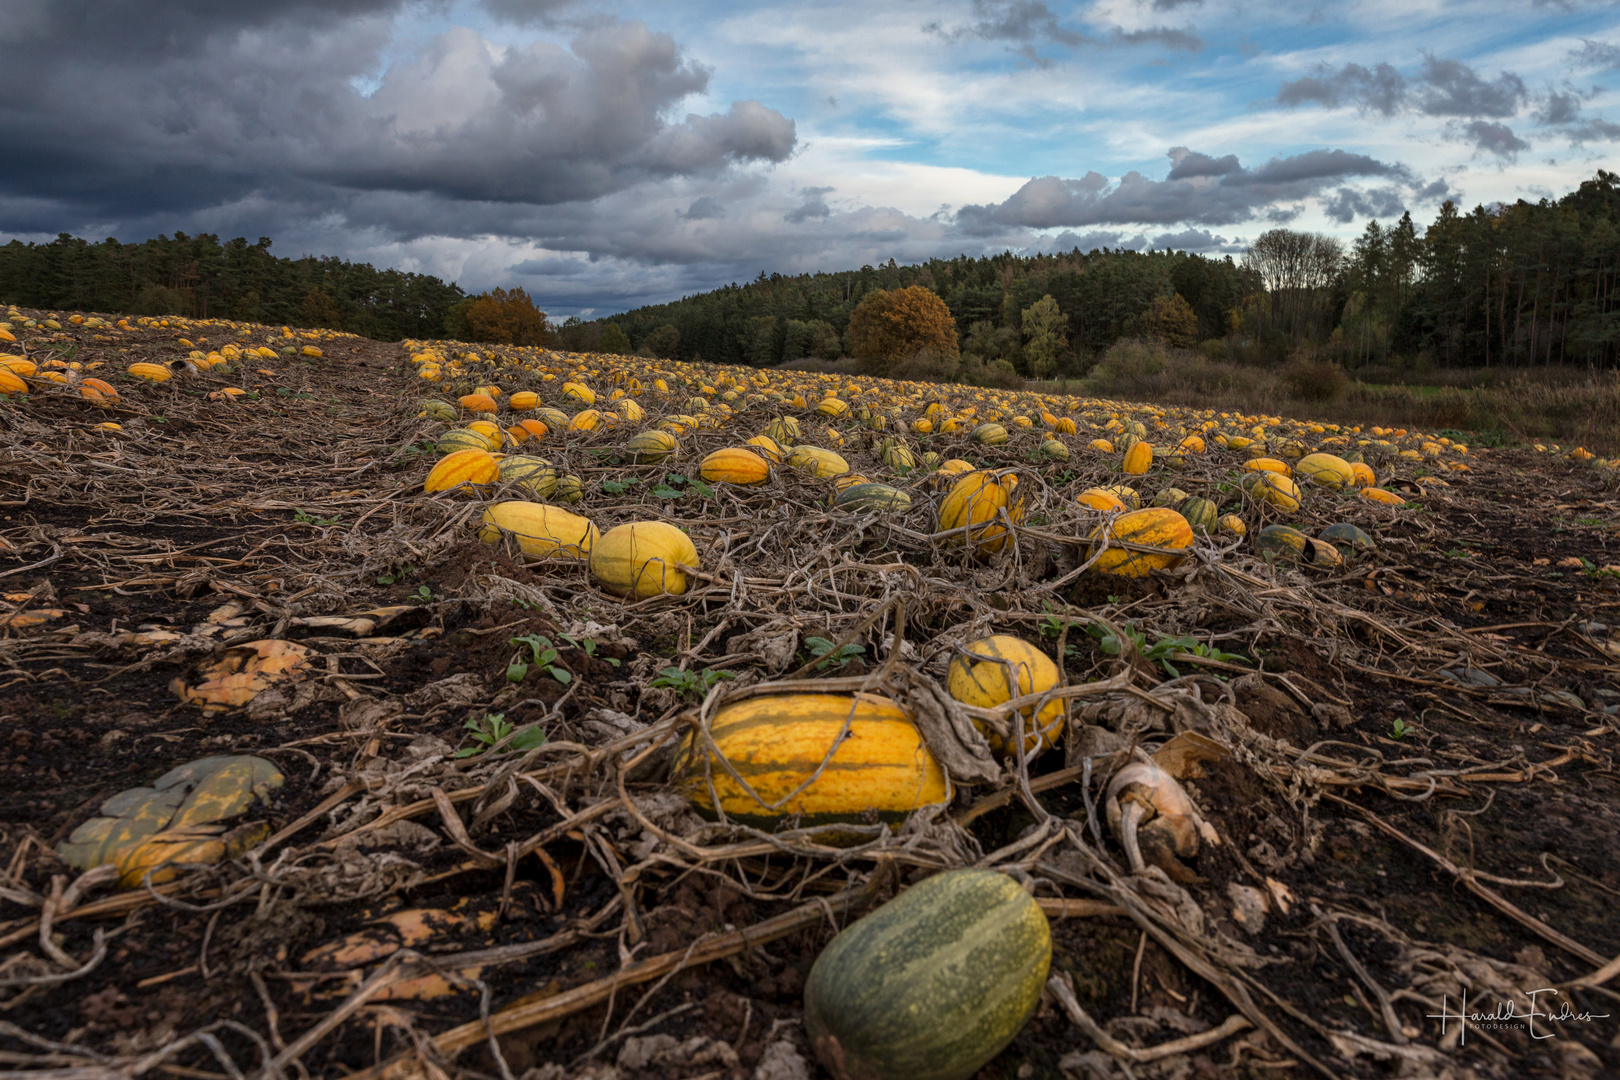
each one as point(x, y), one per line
point(814, 206)
point(1559, 108)
point(1596, 54)
point(1200, 189)
point(1452, 88)
point(1196, 240)
point(1347, 204)
point(1493, 138)
point(1024, 21)
point(1167, 36)
point(1030, 24)
point(1381, 89)
point(162, 27)
point(1441, 88)
point(1475, 105)
point(1190, 163)
point(1593, 131)
point(205, 105)
point(526, 12)
point(704, 208)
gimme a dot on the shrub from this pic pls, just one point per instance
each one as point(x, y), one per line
point(1314, 381)
point(927, 365)
point(888, 325)
point(1002, 376)
point(1129, 363)
point(157, 300)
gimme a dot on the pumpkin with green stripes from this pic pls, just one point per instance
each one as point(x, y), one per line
point(931, 985)
point(1350, 541)
point(896, 455)
point(1053, 450)
point(880, 769)
point(1200, 513)
point(651, 447)
point(534, 473)
point(870, 496)
point(1154, 527)
point(989, 434)
point(460, 439)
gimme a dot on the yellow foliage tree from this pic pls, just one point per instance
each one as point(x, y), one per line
point(889, 325)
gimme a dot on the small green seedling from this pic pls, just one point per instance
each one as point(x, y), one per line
point(1399, 729)
point(488, 730)
point(588, 647)
point(820, 646)
point(692, 685)
point(542, 654)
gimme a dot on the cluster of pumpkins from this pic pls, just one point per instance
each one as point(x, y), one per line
point(19, 374)
point(788, 413)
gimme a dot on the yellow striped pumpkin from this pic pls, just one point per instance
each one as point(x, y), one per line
point(980, 677)
point(1153, 527)
point(463, 467)
point(778, 742)
point(972, 510)
point(734, 465)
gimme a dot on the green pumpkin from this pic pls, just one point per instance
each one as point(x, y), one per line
point(931, 985)
point(460, 439)
point(871, 496)
point(1282, 542)
point(534, 473)
point(1350, 541)
point(784, 429)
point(1201, 514)
point(989, 434)
point(439, 410)
point(897, 456)
point(651, 447)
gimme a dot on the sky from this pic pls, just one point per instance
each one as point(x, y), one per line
point(606, 155)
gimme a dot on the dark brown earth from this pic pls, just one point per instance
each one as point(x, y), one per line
point(1423, 767)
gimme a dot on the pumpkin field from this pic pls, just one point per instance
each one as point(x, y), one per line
point(432, 709)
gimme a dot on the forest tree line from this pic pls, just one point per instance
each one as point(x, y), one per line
point(200, 277)
point(1523, 284)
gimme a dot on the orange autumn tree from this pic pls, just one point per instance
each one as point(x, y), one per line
point(507, 318)
point(889, 325)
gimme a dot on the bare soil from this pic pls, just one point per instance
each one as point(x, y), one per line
point(1420, 778)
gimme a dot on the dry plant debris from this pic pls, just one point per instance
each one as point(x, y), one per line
point(1366, 776)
